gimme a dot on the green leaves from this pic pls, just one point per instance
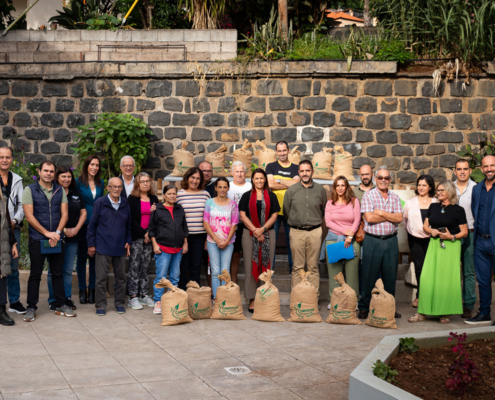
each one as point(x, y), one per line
point(408, 345)
point(384, 372)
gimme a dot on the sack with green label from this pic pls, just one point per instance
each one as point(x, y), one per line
point(322, 162)
point(382, 308)
point(295, 156)
point(267, 300)
point(174, 304)
point(228, 304)
point(183, 160)
point(342, 164)
point(343, 304)
point(199, 300)
point(265, 155)
point(304, 301)
point(217, 160)
point(245, 156)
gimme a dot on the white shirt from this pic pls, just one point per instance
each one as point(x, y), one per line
point(235, 192)
point(465, 201)
point(128, 187)
point(114, 205)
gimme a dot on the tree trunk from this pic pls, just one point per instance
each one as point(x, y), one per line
point(282, 14)
point(202, 17)
point(367, 17)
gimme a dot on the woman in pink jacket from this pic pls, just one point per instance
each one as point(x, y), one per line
point(414, 212)
point(343, 216)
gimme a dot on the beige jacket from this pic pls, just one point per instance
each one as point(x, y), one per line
point(412, 217)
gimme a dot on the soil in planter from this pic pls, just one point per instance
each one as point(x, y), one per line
point(424, 373)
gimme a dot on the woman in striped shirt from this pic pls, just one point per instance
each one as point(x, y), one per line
point(192, 197)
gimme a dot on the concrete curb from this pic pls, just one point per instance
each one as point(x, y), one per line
point(364, 385)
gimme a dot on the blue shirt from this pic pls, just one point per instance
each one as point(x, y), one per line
point(485, 210)
point(114, 205)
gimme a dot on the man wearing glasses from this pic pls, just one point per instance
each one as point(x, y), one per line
point(382, 215)
point(207, 170)
point(127, 166)
point(109, 237)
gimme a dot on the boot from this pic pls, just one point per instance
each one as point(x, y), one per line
point(5, 318)
point(91, 296)
point(83, 297)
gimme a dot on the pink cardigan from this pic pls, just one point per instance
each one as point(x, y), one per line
point(343, 217)
point(412, 217)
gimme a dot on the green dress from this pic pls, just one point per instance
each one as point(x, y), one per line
point(440, 292)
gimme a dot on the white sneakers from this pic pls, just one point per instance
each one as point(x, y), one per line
point(134, 303)
point(147, 301)
point(158, 308)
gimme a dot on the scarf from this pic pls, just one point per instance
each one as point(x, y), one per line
point(261, 251)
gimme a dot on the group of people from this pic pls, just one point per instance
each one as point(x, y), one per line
point(210, 224)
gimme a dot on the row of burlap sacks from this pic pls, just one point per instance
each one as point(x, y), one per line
point(322, 160)
point(179, 306)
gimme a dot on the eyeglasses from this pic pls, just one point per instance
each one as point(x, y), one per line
point(115, 187)
point(383, 178)
point(145, 182)
point(440, 190)
point(127, 166)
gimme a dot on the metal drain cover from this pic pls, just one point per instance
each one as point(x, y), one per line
point(238, 370)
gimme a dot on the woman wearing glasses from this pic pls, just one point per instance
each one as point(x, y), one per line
point(142, 202)
point(91, 187)
point(440, 291)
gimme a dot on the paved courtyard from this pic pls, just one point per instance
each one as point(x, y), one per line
point(132, 356)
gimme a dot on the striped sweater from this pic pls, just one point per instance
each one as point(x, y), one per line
point(194, 207)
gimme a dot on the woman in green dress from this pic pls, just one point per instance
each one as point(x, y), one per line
point(441, 293)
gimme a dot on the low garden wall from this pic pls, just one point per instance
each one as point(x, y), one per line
point(375, 113)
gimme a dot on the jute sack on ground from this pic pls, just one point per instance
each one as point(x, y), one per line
point(174, 304)
point(245, 156)
point(343, 164)
point(322, 162)
point(304, 301)
point(295, 156)
point(267, 300)
point(343, 304)
point(265, 155)
point(382, 308)
point(183, 160)
point(217, 161)
point(199, 301)
point(228, 304)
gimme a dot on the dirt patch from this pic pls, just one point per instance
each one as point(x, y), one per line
point(424, 373)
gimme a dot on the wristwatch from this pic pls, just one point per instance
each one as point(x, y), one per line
point(57, 232)
point(453, 239)
point(279, 180)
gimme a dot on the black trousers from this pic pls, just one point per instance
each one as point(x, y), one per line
point(418, 248)
point(56, 267)
point(190, 265)
point(3, 291)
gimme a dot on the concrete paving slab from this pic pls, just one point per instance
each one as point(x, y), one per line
point(185, 390)
point(79, 378)
point(33, 382)
point(63, 394)
point(340, 370)
point(130, 358)
point(198, 352)
point(280, 394)
point(27, 365)
point(327, 391)
point(165, 371)
point(206, 368)
point(117, 392)
point(68, 346)
point(21, 350)
point(229, 385)
point(280, 360)
point(297, 377)
point(71, 362)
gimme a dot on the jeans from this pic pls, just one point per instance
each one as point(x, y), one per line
point(166, 265)
point(484, 263)
point(276, 226)
point(56, 265)
point(13, 286)
point(219, 260)
point(190, 266)
point(82, 257)
point(70, 256)
point(469, 277)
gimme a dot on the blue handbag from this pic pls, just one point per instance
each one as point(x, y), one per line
point(47, 249)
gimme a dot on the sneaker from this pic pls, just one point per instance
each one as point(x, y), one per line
point(121, 310)
point(479, 319)
point(70, 304)
point(53, 306)
point(134, 303)
point(65, 310)
point(147, 301)
point(158, 308)
point(17, 308)
point(101, 313)
point(30, 315)
point(329, 306)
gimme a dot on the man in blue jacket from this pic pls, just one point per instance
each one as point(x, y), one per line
point(483, 207)
point(109, 237)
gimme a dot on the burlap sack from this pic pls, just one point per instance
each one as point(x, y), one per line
point(228, 304)
point(382, 308)
point(245, 156)
point(343, 304)
point(265, 155)
point(174, 304)
point(304, 301)
point(267, 300)
point(343, 164)
point(295, 156)
point(199, 301)
point(322, 162)
point(183, 160)
point(217, 161)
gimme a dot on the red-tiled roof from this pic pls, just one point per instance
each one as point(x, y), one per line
point(343, 15)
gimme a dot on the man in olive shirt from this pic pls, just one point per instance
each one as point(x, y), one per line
point(304, 209)
point(366, 175)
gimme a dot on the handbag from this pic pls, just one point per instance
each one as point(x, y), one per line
point(411, 276)
point(47, 249)
point(360, 233)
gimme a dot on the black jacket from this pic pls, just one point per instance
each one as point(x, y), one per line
point(167, 231)
point(135, 206)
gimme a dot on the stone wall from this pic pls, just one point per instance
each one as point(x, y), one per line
point(392, 120)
